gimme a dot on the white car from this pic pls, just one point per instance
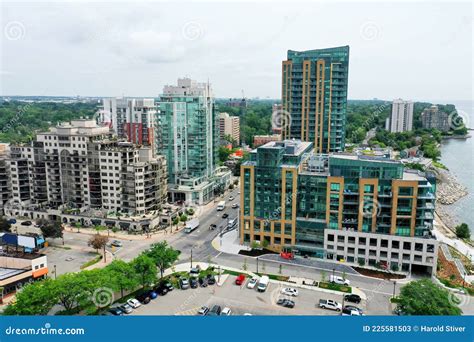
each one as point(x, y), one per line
point(330, 304)
point(226, 311)
point(252, 283)
point(134, 303)
point(289, 291)
point(339, 280)
point(231, 198)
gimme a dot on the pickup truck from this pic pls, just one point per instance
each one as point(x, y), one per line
point(330, 304)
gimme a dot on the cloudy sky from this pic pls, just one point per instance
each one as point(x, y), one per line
point(416, 51)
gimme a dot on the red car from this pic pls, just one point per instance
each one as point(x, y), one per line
point(240, 279)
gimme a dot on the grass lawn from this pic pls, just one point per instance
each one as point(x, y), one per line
point(335, 287)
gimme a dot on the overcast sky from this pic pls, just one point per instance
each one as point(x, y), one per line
point(412, 51)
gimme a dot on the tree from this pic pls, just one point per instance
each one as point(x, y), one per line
point(52, 229)
point(423, 297)
point(33, 299)
point(73, 290)
point(463, 232)
point(145, 269)
point(4, 225)
point(183, 218)
point(122, 276)
point(98, 241)
point(163, 255)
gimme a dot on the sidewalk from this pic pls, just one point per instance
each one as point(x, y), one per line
point(229, 243)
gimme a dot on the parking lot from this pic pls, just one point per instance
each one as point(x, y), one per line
point(239, 299)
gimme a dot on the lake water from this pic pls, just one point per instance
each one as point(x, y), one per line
point(458, 156)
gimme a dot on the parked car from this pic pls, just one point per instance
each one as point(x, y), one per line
point(240, 279)
point(225, 215)
point(226, 311)
point(287, 303)
point(203, 311)
point(126, 308)
point(26, 223)
point(193, 283)
point(211, 280)
point(12, 221)
point(235, 206)
point(144, 298)
point(168, 286)
point(330, 304)
point(353, 310)
point(350, 311)
point(203, 282)
point(252, 283)
point(231, 198)
point(194, 272)
point(160, 290)
point(116, 243)
point(134, 303)
point(339, 280)
point(116, 311)
point(183, 283)
point(212, 226)
point(152, 294)
point(289, 291)
point(215, 311)
point(353, 298)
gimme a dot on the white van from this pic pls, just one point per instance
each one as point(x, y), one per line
point(263, 284)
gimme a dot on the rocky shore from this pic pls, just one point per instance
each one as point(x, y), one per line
point(449, 190)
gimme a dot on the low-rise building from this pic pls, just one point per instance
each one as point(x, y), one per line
point(259, 140)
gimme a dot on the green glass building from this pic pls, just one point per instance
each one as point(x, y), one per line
point(293, 198)
point(187, 129)
point(314, 93)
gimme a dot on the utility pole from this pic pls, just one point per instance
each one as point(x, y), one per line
point(257, 264)
point(394, 285)
point(333, 270)
point(191, 257)
point(55, 272)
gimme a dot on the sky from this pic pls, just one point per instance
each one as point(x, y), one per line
point(415, 51)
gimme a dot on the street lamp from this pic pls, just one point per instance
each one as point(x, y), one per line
point(333, 270)
point(191, 257)
point(394, 286)
point(54, 271)
point(257, 264)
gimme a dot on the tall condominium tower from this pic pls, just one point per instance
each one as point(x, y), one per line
point(230, 126)
point(314, 96)
point(401, 119)
point(188, 135)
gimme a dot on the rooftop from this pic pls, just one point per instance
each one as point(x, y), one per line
point(6, 273)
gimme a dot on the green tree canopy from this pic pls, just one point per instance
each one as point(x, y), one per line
point(33, 299)
point(163, 255)
point(145, 268)
point(423, 297)
point(462, 231)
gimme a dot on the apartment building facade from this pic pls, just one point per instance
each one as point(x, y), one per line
point(432, 117)
point(188, 136)
point(229, 126)
point(401, 118)
point(316, 204)
point(82, 166)
point(314, 96)
point(132, 119)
